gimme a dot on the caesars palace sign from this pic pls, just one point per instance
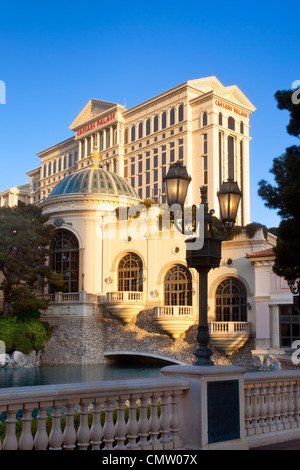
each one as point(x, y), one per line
point(231, 108)
point(95, 124)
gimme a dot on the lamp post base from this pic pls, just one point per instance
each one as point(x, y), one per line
point(203, 353)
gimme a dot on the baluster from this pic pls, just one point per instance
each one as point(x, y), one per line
point(248, 412)
point(10, 441)
point(270, 408)
point(277, 405)
point(69, 434)
point(174, 420)
point(26, 438)
point(165, 422)
point(154, 423)
point(283, 408)
point(40, 441)
point(56, 436)
point(143, 424)
point(96, 429)
point(263, 408)
point(255, 410)
point(297, 403)
point(121, 426)
point(132, 425)
point(109, 427)
point(83, 433)
point(290, 405)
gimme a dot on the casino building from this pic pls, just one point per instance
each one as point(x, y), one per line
point(128, 275)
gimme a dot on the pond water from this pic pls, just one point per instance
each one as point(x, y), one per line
point(47, 375)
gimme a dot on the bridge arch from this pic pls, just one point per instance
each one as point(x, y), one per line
point(142, 356)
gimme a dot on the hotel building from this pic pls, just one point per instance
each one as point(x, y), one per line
point(206, 126)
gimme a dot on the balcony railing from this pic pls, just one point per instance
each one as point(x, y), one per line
point(174, 311)
point(221, 327)
point(124, 296)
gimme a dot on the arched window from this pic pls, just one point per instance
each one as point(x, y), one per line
point(178, 286)
point(148, 126)
point(49, 169)
point(180, 113)
point(204, 119)
point(241, 127)
point(133, 134)
point(155, 123)
point(164, 120)
point(231, 123)
point(230, 142)
point(172, 116)
point(140, 130)
point(59, 164)
point(220, 119)
point(231, 300)
point(65, 258)
point(130, 273)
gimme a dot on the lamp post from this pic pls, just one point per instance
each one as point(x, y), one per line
point(209, 256)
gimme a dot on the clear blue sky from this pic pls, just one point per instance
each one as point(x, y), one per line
point(56, 56)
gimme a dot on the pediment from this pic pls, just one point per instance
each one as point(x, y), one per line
point(235, 95)
point(92, 109)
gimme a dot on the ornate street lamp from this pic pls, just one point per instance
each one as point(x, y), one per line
point(208, 257)
point(176, 182)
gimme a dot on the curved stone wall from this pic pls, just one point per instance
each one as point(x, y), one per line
point(85, 341)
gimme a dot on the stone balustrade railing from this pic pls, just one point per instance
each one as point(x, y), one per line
point(272, 406)
point(174, 310)
point(216, 327)
point(106, 405)
point(149, 414)
point(124, 296)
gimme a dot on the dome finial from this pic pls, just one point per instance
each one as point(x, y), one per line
point(95, 156)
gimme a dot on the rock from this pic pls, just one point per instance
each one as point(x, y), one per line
point(4, 360)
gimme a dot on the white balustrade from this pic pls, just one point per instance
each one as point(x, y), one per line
point(216, 327)
point(124, 296)
point(110, 401)
point(174, 311)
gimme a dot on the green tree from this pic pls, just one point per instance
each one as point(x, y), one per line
point(285, 195)
point(25, 236)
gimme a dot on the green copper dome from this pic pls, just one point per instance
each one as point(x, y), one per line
point(93, 181)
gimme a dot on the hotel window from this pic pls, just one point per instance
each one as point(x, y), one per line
point(164, 120)
point(242, 176)
point(59, 165)
point(140, 130)
point(230, 157)
point(49, 169)
point(220, 119)
point(231, 123)
point(70, 160)
point(204, 119)
point(148, 126)
point(44, 171)
point(172, 116)
point(126, 136)
point(289, 325)
point(178, 286)
point(65, 162)
point(147, 175)
point(180, 150)
point(101, 140)
point(155, 123)
point(163, 172)
point(241, 127)
point(130, 273)
point(54, 167)
point(133, 134)
point(132, 171)
point(75, 157)
point(180, 113)
point(140, 175)
point(231, 301)
point(172, 152)
point(65, 258)
point(220, 158)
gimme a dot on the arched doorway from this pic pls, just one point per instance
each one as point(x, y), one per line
point(178, 286)
point(231, 301)
point(65, 258)
point(130, 273)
